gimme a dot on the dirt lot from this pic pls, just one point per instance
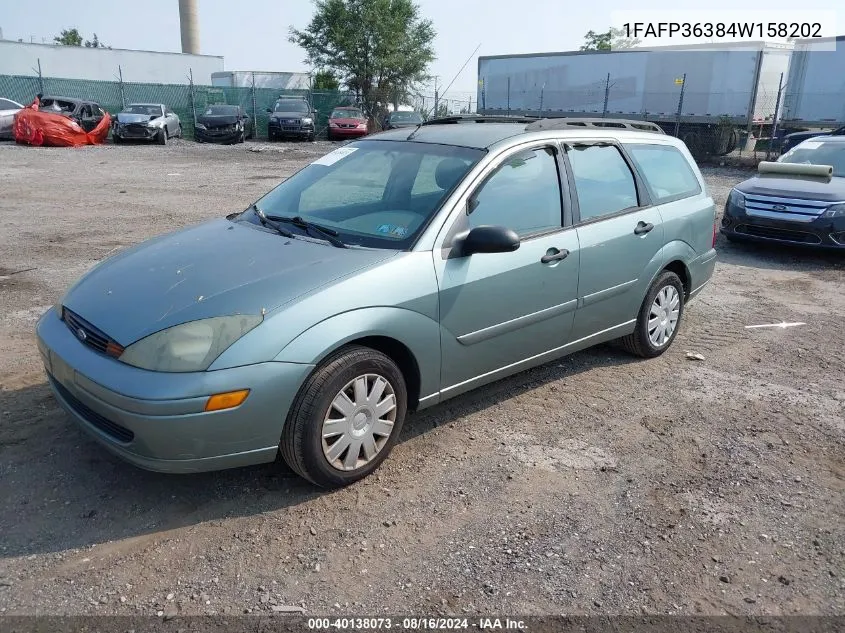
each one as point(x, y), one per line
point(599, 484)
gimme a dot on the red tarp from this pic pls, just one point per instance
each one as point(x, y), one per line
point(34, 127)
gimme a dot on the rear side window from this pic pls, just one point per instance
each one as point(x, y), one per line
point(666, 171)
point(603, 181)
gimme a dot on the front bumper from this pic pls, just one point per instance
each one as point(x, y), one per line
point(135, 131)
point(217, 135)
point(347, 132)
point(157, 420)
point(284, 129)
point(824, 233)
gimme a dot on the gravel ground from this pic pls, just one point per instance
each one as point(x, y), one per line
point(596, 484)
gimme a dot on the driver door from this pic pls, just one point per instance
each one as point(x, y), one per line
point(500, 312)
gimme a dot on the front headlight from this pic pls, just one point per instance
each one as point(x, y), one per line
point(737, 199)
point(834, 211)
point(191, 346)
point(307, 120)
point(156, 123)
point(199, 126)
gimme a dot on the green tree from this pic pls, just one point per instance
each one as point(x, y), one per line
point(378, 48)
point(612, 39)
point(94, 43)
point(326, 80)
point(69, 37)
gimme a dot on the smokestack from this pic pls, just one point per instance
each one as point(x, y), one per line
point(190, 26)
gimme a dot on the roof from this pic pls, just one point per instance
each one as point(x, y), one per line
point(469, 135)
point(484, 135)
point(61, 98)
point(129, 105)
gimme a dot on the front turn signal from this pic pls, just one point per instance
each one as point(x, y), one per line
point(228, 400)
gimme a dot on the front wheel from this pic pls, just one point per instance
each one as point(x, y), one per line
point(346, 418)
point(659, 317)
point(161, 139)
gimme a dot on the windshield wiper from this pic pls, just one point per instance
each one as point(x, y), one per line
point(265, 221)
point(330, 235)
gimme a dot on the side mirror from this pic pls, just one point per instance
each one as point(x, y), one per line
point(270, 110)
point(489, 239)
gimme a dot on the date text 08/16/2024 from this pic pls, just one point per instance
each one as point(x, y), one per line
point(415, 624)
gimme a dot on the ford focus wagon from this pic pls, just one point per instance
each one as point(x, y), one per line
point(387, 276)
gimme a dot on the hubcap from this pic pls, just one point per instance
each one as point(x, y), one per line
point(663, 318)
point(359, 422)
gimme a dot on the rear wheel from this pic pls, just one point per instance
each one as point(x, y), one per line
point(346, 418)
point(659, 317)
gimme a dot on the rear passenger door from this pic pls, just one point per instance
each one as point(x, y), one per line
point(620, 236)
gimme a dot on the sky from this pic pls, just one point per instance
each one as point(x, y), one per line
point(252, 34)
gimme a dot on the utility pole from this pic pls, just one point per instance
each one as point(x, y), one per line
point(606, 96)
point(680, 105)
point(436, 97)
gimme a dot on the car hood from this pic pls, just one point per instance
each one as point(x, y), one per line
point(213, 269)
point(131, 117)
point(820, 189)
point(217, 119)
point(289, 115)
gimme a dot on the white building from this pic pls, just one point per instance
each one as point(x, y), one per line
point(101, 64)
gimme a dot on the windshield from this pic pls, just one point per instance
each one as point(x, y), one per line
point(347, 114)
point(151, 110)
point(57, 105)
point(291, 105)
point(818, 152)
point(378, 194)
point(222, 109)
point(405, 117)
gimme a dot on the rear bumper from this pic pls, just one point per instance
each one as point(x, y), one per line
point(157, 421)
point(822, 233)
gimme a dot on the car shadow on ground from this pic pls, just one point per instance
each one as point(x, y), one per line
point(783, 257)
point(63, 491)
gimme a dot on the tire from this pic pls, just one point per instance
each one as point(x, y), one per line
point(311, 137)
point(161, 138)
point(242, 137)
point(640, 343)
point(179, 131)
point(302, 444)
point(116, 139)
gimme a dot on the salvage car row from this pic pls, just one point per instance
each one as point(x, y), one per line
point(290, 118)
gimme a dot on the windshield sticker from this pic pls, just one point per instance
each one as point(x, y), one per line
point(332, 157)
point(392, 230)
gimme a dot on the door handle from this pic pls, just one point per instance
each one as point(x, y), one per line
point(642, 228)
point(554, 255)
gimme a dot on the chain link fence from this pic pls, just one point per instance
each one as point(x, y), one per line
point(187, 100)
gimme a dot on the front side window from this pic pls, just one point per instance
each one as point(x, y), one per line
point(667, 173)
point(379, 194)
point(523, 194)
point(604, 183)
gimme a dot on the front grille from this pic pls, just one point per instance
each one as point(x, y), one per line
point(108, 427)
point(85, 332)
point(785, 235)
point(791, 209)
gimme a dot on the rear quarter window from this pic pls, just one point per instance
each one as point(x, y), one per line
point(666, 172)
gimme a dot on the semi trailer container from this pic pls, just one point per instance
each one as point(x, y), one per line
point(815, 88)
point(707, 92)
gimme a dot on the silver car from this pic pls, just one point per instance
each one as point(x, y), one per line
point(392, 274)
point(146, 121)
point(8, 110)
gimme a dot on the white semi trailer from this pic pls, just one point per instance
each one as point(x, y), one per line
point(707, 91)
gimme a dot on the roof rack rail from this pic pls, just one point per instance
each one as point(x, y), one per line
point(480, 118)
point(574, 122)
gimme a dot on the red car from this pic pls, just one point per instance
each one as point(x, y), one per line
point(347, 122)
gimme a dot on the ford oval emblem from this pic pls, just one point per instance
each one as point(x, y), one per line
point(81, 335)
point(779, 207)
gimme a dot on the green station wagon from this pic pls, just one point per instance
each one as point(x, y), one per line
point(387, 276)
